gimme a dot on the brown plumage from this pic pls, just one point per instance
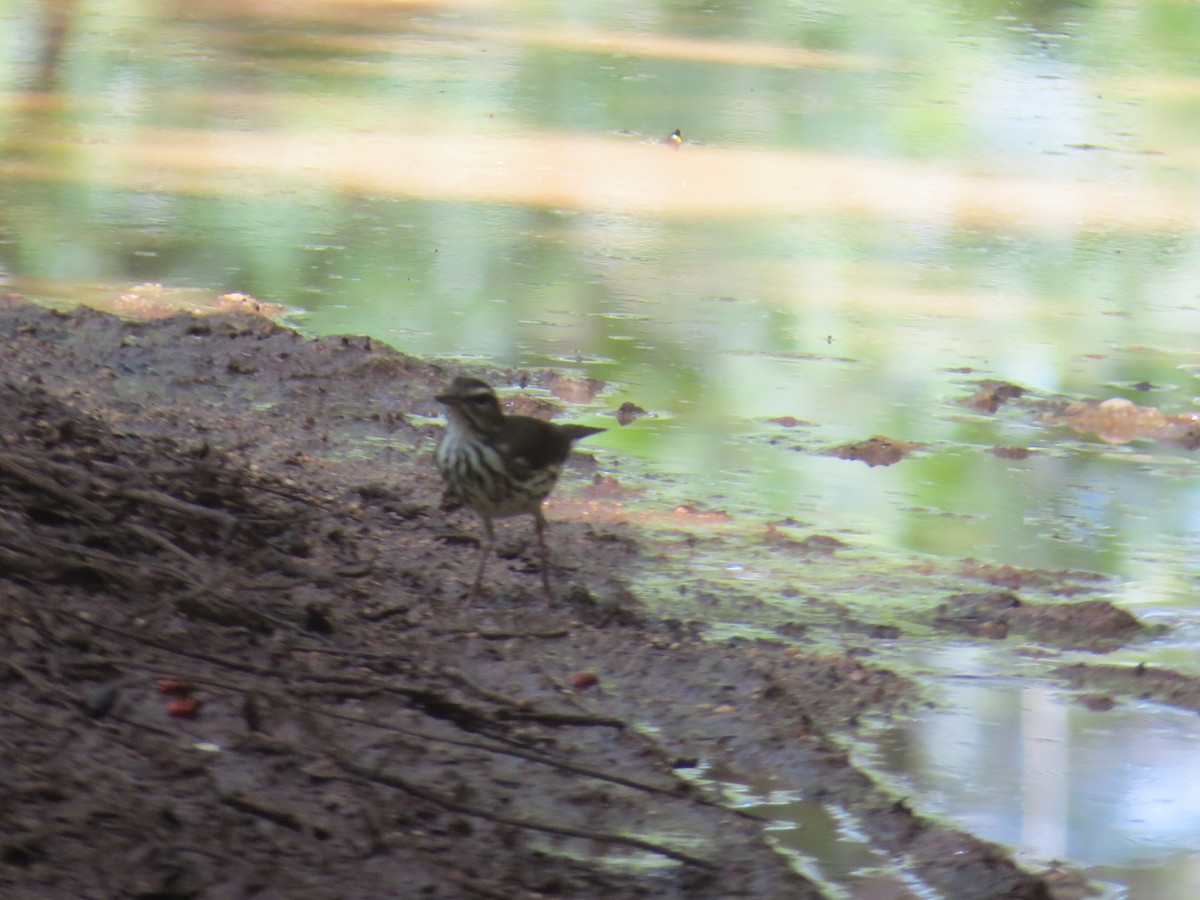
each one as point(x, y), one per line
point(501, 465)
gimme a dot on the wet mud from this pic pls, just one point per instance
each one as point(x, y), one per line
point(238, 657)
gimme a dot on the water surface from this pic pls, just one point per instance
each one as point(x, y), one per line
point(874, 207)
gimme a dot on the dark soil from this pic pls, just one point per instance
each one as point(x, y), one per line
point(222, 502)
point(1139, 682)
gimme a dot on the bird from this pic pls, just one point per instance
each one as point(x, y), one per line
point(501, 465)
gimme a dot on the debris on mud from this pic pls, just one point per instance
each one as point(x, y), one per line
point(990, 395)
point(777, 537)
point(628, 413)
point(1081, 624)
point(1140, 682)
point(1060, 582)
point(1120, 421)
point(788, 421)
point(876, 451)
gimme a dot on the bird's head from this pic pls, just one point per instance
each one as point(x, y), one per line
point(473, 403)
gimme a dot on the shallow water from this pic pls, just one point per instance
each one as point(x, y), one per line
point(875, 206)
point(1018, 763)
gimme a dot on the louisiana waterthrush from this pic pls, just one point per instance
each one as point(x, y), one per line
point(501, 465)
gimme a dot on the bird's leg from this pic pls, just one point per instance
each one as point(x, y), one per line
point(539, 522)
point(485, 551)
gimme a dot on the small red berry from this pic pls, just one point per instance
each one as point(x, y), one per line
point(584, 680)
point(183, 708)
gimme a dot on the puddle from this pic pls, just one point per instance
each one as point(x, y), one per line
point(1112, 794)
point(825, 846)
point(822, 842)
point(1019, 763)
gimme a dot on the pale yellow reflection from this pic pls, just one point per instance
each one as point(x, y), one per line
point(605, 173)
point(333, 10)
point(1175, 87)
point(661, 46)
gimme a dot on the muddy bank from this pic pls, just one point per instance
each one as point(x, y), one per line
point(254, 516)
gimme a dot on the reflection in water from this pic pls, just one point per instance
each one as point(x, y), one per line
point(823, 843)
point(1018, 763)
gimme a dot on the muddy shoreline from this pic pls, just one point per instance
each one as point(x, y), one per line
point(220, 501)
